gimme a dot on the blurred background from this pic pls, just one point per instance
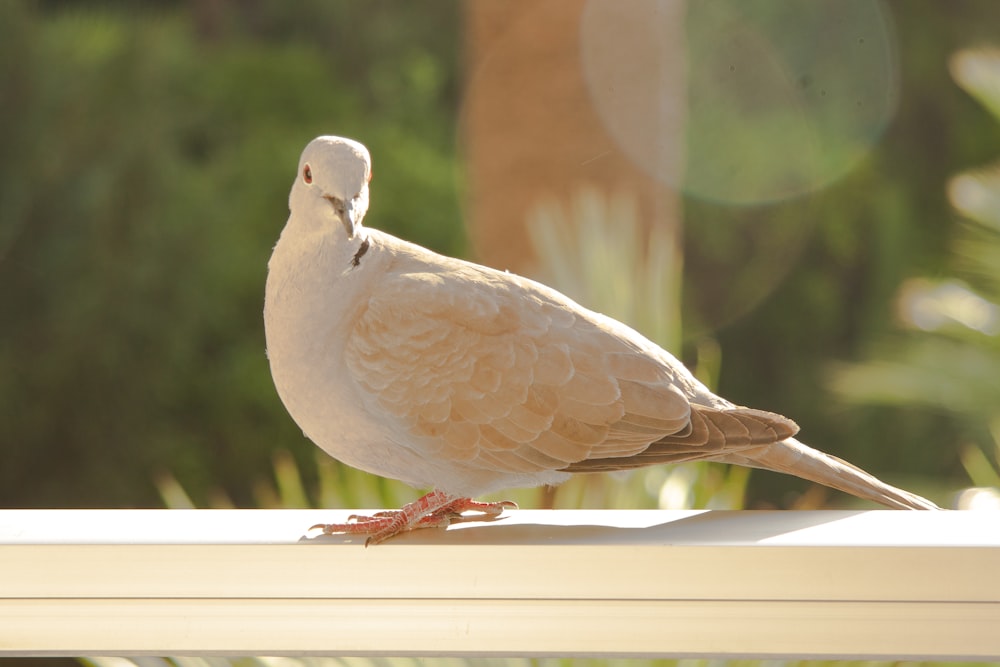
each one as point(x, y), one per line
point(800, 201)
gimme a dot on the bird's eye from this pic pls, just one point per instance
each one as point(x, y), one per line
point(307, 174)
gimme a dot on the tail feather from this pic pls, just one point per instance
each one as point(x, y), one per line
point(795, 458)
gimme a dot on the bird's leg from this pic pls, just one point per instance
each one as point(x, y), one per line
point(436, 509)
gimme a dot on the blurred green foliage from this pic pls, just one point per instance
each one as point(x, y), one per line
point(946, 355)
point(821, 272)
point(147, 151)
point(147, 154)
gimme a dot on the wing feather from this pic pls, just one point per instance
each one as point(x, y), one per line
point(495, 372)
point(531, 420)
point(509, 429)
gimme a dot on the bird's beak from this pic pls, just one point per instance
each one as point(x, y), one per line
point(347, 211)
point(350, 218)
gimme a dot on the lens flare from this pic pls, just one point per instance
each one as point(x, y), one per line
point(781, 99)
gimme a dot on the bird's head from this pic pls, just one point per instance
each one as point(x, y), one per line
point(332, 182)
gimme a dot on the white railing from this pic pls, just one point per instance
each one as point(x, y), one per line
point(873, 584)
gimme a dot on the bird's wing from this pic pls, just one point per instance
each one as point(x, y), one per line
point(480, 367)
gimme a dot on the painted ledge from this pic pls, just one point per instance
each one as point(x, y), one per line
point(830, 584)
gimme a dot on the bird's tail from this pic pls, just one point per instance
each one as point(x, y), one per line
point(795, 458)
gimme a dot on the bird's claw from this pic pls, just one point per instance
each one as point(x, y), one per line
point(382, 525)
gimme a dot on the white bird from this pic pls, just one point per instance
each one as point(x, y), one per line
point(464, 379)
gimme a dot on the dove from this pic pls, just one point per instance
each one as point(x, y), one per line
point(467, 380)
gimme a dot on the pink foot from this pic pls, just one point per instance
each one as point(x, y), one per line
point(436, 509)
